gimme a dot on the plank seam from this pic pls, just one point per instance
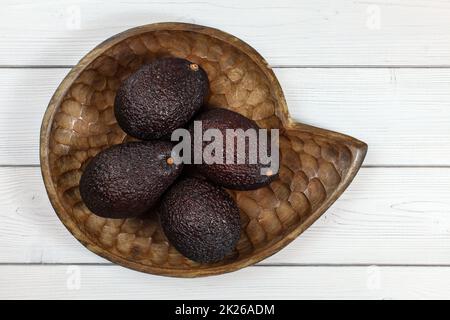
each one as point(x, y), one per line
point(288, 265)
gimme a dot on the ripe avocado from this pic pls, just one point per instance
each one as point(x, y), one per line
point(200, 220)
point(160, 97)
point(128, 179)
point(244, 176)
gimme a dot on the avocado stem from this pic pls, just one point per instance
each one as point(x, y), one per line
point(170, 161)
point(193, 66)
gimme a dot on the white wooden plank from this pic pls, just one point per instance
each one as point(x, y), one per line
point(24, 96)
point(387, 216)
point(112, 282)
point(286, 32)
point(403, 114)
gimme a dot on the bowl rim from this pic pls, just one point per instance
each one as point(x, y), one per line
point(359, 151)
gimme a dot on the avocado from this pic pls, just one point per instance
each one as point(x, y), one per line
point(200, 219)
point(126, 180)
point(245, 176)
point(160, 97)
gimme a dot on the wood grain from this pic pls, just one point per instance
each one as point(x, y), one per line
point(412, 105)
point(112, 282)
point(286, 32)
point(387, 216)
point(367, 225)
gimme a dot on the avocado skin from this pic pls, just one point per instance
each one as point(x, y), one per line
point(126, 180)
point(232, 176)
point(160, 97)
point(200, 219)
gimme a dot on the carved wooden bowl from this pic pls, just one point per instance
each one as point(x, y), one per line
point(316, 164)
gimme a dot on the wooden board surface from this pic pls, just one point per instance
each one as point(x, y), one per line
point(112, 282)
point(403, 114)
point(286, 32)
point(378, 70)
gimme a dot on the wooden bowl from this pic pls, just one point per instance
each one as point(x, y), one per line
point(316, 165)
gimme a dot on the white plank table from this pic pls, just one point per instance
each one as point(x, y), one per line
point(378, 70)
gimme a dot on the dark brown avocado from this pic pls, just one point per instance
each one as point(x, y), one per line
point(126, 180)
point(160, 97)
point(245, 176)
point(200, 220)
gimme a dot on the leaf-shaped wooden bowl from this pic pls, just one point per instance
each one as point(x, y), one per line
point(316, 165)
